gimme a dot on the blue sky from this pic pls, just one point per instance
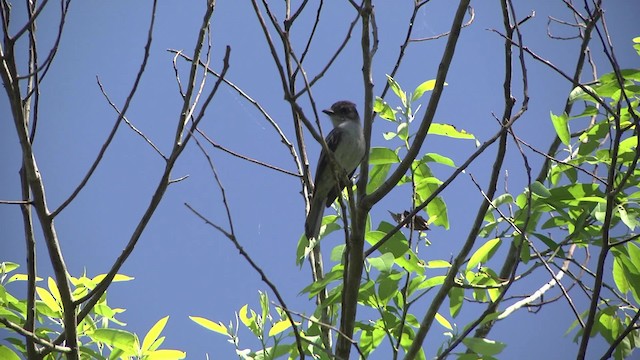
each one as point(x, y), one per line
point(183, 267)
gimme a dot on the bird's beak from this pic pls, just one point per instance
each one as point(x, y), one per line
point(328, 112)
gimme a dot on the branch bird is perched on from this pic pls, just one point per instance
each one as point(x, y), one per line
point(346, 141)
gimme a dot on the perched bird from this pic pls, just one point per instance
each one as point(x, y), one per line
point(346, 141)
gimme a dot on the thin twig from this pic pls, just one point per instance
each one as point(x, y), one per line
point(115, 108)
point(472, 16)
point(244, 157)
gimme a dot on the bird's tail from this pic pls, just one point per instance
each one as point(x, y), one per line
point(314, 219)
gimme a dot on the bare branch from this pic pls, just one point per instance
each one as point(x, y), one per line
point(33, 337)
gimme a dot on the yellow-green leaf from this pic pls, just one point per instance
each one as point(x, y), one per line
point(154, 332)
point(444, 322)
point(210, 325)
point(561, 124)
point(279, 327)
point(49, 300)
point(8, 354)
point(397, 90)
point(53, 288)
point(118, 339)
point(484, 253)
point(449, 131)
point(166, 355)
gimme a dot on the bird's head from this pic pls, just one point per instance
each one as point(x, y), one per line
point(341, 112)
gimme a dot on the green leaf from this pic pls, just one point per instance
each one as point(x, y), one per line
point(389, 135)
point(384, 110)
point(484, 346)
point(314, 288)
point(484, 253)
point(382, 155)
point(377, 176)
point(629, 221)
point(438, 264)
point(437, 210)
point(431, 282)
point(7, 267)
point(388, 285)
point(561, 125)
point(8, 354)
point(337, 252)
point(398, 246)
point(397, 90)
point(634, 255)
point(424, 87)
point(619, 277)
point(210, 325)
point(279, 327)
point(153, 333)
point(403, 131)
point(382, 263)
point(440, 159)
point(502, 199)
point(578, 93)
point(119, 339)
point(449, 131)
point(540, 190)
point(456, 298)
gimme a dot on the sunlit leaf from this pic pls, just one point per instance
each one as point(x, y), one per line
point(279, 327)
point(456, 298)
point(210, 325)
point(8, 354)
point(484, 253)
point(382, 155)
point(384, 110)
point(444, 322)
point(424, 87)
point(540, 190)
point(578, 93)
point(431, 282)
point(166, 354)
point(484, 346)
point(7, 267)
point(403, 131)
point(53, 289)
point(397, 90)
point(626, 219)
point(119, 339)
point(449, 131)
point(382, 263)
point(561, 124)
point(438, 264)
point(154, 332)
point(46, 297)
point(440, 159)
point(437, 210)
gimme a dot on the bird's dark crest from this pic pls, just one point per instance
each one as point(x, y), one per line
point(344, 107)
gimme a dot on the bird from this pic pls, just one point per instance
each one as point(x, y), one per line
point(347, 143)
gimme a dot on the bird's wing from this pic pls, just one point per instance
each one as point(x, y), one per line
point(324, 167)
